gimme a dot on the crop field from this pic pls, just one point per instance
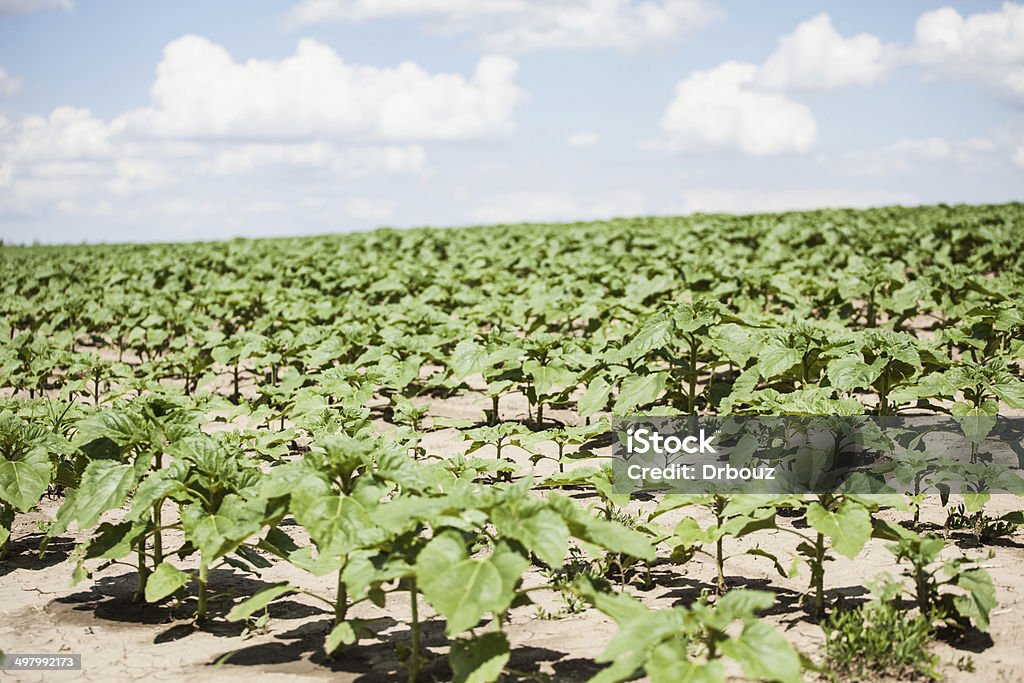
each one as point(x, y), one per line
point(386, 455)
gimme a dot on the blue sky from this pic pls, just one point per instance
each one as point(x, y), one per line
point(130, 121)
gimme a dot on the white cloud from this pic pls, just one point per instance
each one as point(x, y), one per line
point(67, 133)
point(988, 46)
point(138, 175)
point(8, 7)
point(367, 209)
point(317, 11)
point(351, 162)
point(8, 84)
point(215, 117)
point(1018, 155)
point(200, 91)
point(583, 139)
point(528, 25)
point(517, 207)
point(911, 155)
point(712, 200)
point(816, 56)
point(723, 107)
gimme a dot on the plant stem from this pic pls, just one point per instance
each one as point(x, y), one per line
point(341, 603)
point(204, 575)
point(818, 576)
point(693, 377)
point(414, 656)
point(143, 572)
point(720, 563)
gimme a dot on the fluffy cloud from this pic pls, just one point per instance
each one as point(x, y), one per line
point(988, 46)
point(8, 7)
point(200, 91)
point(911, 155)
point(351, 162)
point(317, 11)
point(724, 107)
point(67, 133)
point(760, 201)
point(816, 56)
point(8, 84)
point(744, 106)
point(214, 117)
point(527, 25)
point(583, 139)
point(517, 207)
point(1018, 155)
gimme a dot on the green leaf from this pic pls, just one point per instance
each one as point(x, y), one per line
point(459, 588)
point(763, 653)
point(480, 659)
point(980, 599)
point(6, 522)
point(114, 541)
point(23, 481)
point(105, 485)
point(464, 593)
point(595, 398)
point(849, 527)
point(654, 335)
point(637, 390)
point(469, 358)
point(342, 634)
point(248, 607)
point(1011, 391)
point(670, 662)
point(851, 372)
point(774, 360)
point(617, 538)
point(164, 581)
point(216, 534)
point(542, 531)
point(337, 524)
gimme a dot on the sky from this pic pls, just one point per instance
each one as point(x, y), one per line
point(155, 121)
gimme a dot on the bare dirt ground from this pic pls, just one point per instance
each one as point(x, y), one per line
point(41, 612)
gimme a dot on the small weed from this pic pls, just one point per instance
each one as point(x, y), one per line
point(985, 529)
point(877, 639)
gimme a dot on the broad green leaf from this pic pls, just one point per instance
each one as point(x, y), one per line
point(337, 524)
point(542, 531)
point(469, 358)
point(216, 534)
point(763, 653)
point(851, 372)
point(105, 485)
point(637, 390)
point(463, 590)
point(849, 527)
point(670, 662)
point(654, 335)
point(165, 580)
point(774, 360)
point(24, 481)
point(480, 659)
point(595, 398)
point(980, 599)
point(342, 634)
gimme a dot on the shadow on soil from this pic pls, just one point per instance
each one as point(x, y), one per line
point(23, 553)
